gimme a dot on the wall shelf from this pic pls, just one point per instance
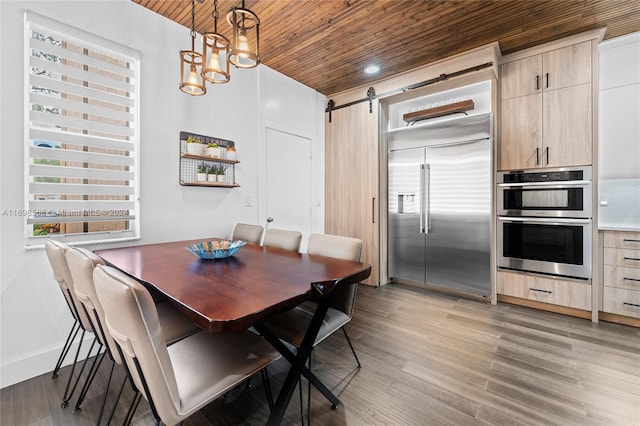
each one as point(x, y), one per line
point(439, 111)
point(217, 184)
point(207, 158)
point(190, 163)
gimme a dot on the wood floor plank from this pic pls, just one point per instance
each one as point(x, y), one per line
point(427, 359)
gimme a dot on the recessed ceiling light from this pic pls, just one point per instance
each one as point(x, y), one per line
point(371, 69)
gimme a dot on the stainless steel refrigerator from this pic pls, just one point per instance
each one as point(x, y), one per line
point(440, 211)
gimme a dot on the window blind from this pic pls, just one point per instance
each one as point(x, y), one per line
point(82, 135)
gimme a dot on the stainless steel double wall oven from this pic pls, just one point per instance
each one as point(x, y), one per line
point(545, 221)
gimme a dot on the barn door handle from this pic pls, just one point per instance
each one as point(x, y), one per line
point(373, 210)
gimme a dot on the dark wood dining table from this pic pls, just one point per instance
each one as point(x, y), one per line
point(233, 294)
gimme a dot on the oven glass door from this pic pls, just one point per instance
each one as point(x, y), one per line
point(543, 199)
point(546, 245)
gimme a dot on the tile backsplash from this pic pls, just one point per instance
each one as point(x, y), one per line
point(619, 203)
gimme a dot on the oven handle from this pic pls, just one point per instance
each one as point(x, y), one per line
point(545, 220)
point(554, 183)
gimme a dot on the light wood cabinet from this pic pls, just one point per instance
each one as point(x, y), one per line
point(621, 259)
point(566, 127)
point(555, 291)
point(547, 109)
point(352, 179)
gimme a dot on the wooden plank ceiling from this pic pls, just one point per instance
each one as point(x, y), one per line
point(325, 44)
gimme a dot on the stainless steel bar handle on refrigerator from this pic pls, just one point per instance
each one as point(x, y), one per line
point(425, 217)
point(428, 200)
point(422, 197)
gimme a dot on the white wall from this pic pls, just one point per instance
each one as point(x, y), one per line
point(289, 107)
point(34, 319)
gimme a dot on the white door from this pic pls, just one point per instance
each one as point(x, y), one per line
point(288, 182)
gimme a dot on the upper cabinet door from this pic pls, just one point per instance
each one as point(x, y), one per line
point(521, 77)
point(521, 133)
point(569, 66)
point(567, 127)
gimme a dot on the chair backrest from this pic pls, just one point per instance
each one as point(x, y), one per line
point(287, 240)
point(56, 253)
point(132, 320)
point(342, 248)
point(81, 264)
point(248, 233)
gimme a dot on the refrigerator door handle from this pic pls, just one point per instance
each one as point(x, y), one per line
point(425, 217)
point(427, 184)
point(422, 197)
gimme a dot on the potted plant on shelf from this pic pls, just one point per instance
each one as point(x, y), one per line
point(220, 173)
point(231, 153)
point(212, 172)
point(213, 150)
point(202, 173)
point(194, 146)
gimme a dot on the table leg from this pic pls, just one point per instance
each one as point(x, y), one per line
point(298, 362)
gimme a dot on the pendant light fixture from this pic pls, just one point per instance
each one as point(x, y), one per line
point(215, 51)
point(245, 40)
point(191, 63)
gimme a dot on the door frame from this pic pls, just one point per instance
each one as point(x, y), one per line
point(316, 205)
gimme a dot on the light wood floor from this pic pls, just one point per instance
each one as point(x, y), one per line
point(427, 359)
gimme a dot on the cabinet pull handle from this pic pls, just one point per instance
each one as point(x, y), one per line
point(631, 279)
point(635, 305)
point(547, 80)
point(537, 156)
point(373, 210)
point(540, 290)
point(547, 149)
point(632, 258)
point(631, 240)
point(537, 82)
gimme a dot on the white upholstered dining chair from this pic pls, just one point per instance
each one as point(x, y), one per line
point(175, 326)
point(178, 380)
point(291, 326)
point(247, 232)
point(56, 253)
point(281, 238)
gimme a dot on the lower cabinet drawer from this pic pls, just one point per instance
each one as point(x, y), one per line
point(572, 294)
point(622, 277)
point(621, 301)
point(622, 257)
point(622, 239)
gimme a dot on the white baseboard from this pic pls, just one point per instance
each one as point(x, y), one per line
point(41, 363)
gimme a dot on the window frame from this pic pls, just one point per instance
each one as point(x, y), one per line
point(38, 23)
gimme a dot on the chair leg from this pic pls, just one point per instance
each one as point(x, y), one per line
point(267, 387)
point(106, 393)
point(65, 349)
point(93, 370)
point(132, 408)
point(115, 404)
point(351, 346)
point(69, 393)
point(67, 396)
point(309, 393)
point(301, 401)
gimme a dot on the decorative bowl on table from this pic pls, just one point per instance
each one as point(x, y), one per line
point(216, 249)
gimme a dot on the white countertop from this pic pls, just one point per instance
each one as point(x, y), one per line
point(618, 227)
